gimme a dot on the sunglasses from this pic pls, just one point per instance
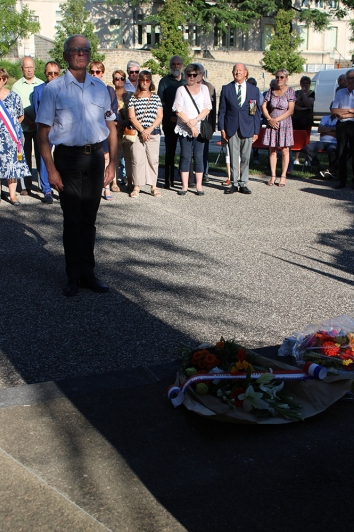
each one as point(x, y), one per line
point(134, 72)
point(192, 75)
point(52, 73)
point(279, 77)
point(119, 79)
point(3, 78)
point(85, 50)
point(95, 71)
point(351, 78)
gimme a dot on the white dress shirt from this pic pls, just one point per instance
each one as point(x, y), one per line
point(243, 91)
point(344, 100)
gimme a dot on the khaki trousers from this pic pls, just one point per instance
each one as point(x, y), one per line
point(145, 161)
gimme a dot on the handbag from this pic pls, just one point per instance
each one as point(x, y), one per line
point(206, 130)
point(130, 133)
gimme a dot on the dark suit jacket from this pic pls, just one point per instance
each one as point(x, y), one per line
point(233, 118)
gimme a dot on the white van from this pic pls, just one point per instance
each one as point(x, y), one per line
point(324, 83)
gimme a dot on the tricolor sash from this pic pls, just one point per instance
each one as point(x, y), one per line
point(10, 126)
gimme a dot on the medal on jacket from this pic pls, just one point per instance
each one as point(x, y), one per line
point(19, 156)
point(253, 107)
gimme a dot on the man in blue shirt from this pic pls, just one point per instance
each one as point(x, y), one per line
point(75, 115)
point(51, 71)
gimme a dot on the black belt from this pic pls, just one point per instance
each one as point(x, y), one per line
point(88, 148)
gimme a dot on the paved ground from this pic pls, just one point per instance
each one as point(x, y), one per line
point(88, 440)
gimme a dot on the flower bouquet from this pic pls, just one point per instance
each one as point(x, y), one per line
point(231, 383)
point(329, 344)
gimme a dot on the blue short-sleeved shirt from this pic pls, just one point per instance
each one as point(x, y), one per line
point(77, 112)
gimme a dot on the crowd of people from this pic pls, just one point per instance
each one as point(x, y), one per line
point(99, 132)
point(181, 103)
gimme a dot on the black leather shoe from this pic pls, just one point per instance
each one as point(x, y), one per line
point(244, 190)
point(94, 284)
point(340, 185)
point(231, 190)
point(71, 289)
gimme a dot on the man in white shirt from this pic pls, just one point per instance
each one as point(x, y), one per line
point(343, 109)
point(327, 142)
point(75, 115)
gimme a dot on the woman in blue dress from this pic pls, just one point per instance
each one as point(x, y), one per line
point(13, 164)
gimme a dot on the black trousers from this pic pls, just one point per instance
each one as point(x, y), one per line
point(82, 176)
point(31, 136)
point(171, 139)
point(345, 135)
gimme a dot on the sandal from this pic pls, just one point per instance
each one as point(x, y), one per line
point(155, 192)
point(280, 184)
point(135, 192)
point(107, 194)
point(115, 188)
point(272, 181)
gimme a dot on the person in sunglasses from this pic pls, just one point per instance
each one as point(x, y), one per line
point(192, 104)
point(277, 108)
point(133, 69)
point(51, 71)
point(97, 70)
point(124, 160)
point(76, 116)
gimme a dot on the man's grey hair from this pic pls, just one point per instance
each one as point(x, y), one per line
point(26, 57)
point(132, 64)
point(67, 41)
point(243, 64)
point(201, 68)
point(176, 57)
point(348, 72)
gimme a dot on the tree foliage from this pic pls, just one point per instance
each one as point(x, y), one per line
point(170, 19)
point(283, 45)
point(14, 25)
point(75, 20)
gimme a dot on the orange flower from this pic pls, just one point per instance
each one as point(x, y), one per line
point(220, 345)
point(330, 349)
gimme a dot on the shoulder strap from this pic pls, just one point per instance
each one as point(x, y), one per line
point(195, 105)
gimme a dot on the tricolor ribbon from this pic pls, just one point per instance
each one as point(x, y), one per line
point(311, 371)
point(10, 126)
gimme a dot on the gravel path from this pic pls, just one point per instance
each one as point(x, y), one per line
point(181, 269)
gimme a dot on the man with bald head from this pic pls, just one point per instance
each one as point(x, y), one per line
point(24, 88)
point(75, 116)
point(239, 123)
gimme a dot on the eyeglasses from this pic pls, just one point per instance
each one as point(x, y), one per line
point(119, 79)
point(28, 68)
point(85, 50)
point(280, 77)
point(351, 78)
point(192, 75)
point(95, 71)
point(134, 72)
point(52, 74)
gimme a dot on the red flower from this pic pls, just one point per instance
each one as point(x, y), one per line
point(220, 345)
point(211, 361)
point(241, 355)
point(330, 349)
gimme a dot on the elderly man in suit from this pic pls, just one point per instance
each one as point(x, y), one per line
point(239, 123)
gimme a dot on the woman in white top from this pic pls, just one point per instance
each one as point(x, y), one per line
point(188, 98)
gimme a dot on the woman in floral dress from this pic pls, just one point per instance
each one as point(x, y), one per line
point(13, 164)
point(277, 108)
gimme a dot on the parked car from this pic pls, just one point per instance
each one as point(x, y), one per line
point(324, 83)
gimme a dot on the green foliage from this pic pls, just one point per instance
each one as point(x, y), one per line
point(14, 25)
point(283, 45)
point(74, 20)
point(170, 19)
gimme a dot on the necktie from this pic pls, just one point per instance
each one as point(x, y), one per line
point(239, 96)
